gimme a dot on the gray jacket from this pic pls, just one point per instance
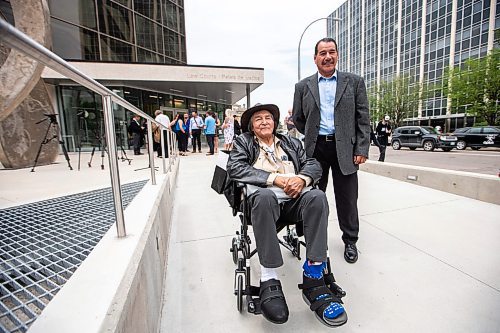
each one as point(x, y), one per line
point(352, 119)
point(246, 151)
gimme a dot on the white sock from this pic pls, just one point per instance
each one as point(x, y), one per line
point(267, 274)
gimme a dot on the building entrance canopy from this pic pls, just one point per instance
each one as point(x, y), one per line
point(218, 84)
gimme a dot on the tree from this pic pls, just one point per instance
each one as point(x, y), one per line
point(476, 86)
point(398, 98)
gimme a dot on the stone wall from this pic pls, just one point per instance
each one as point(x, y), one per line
point(23, 96)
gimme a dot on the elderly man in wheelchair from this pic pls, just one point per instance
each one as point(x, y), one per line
point(279, 182)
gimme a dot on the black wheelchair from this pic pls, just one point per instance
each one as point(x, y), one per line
point(236, 194)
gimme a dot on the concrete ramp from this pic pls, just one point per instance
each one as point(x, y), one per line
point(429, 262)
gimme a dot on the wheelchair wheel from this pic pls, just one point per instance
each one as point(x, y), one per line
point(239, 293)
point(234, 250)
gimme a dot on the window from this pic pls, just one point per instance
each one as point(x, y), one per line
point(115, 50)
point(79, 12)
point(74, 43)
point(490, 130)
point(115, 20)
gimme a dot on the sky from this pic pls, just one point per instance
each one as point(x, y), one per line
point(258, 33)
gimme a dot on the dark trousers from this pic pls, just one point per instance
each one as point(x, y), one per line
point(311, 208)
point(182, 141)
point(345, 188)
point(383, 142)
point(136, 139)
point(158, 144)
point(196, 139)
point(210, 141)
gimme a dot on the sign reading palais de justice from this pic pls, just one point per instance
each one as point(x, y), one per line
point(224, 77)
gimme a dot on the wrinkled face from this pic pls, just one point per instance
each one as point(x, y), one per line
point(326, 58)
point(263, 124)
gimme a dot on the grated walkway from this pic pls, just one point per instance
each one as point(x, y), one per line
point(43, 243)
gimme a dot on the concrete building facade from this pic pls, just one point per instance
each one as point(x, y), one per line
point(136, 48)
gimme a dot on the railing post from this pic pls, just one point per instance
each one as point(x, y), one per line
point(162, 142)
point(151, 153)
point(109, 123)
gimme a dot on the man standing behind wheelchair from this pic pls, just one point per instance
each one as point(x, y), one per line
point(279, 177)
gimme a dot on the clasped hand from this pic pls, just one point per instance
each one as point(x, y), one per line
point(292, 186)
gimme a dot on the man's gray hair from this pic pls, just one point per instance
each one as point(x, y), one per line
point(157, 112)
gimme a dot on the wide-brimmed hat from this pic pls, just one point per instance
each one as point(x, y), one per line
point(247, 115)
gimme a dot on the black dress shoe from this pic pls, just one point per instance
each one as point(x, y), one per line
point(272, 302)
point(351, 253)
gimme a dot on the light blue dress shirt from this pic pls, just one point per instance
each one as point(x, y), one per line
point(327, 90)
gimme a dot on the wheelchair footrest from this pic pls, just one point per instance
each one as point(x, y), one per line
point(253, 301)
point(253, 305)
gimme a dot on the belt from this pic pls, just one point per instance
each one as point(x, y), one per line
point(326, 138)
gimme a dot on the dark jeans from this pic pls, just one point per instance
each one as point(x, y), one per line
point(345, 188)
point(196, 139)
point(311, 208)
point(210, 141)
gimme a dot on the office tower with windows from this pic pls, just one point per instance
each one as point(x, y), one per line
point(381, 39)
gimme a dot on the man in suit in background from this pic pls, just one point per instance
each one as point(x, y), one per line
point(331, 109)
point(137, 132)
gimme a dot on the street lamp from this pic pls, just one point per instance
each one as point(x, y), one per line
point(300, 40)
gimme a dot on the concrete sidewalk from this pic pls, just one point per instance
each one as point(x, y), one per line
point(429, 262)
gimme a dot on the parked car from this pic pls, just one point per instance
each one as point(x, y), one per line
point(477, 137)
point(424, 137)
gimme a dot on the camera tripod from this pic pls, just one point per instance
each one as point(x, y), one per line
point(102, 144)
point(52, 124)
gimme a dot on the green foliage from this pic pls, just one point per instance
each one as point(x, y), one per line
point(477, 86)
point(398, 98)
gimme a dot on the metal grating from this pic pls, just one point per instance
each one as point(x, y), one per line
point(43, 243)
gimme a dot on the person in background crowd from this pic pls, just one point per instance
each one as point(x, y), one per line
point(137, 133)
point(331, 109)
point(217, 132)
point(290, 126)
point(187, 121)
point(165, 121)
point(383, 131)
point(195, 126)
point(210, 131)
point(237, 127)
point(228, 128)
point(180, 131)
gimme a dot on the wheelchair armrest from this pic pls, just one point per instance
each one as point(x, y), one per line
point(239, 184)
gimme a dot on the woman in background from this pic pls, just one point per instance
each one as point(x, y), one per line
point(217, 129)
point(179, 128)
point(228, 128)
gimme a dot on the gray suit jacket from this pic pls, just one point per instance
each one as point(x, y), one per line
point(352, 119)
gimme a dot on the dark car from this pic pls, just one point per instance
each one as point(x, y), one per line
point(477, 137)
point(424, 137)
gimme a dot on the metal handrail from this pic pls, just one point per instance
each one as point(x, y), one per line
point(14, 38)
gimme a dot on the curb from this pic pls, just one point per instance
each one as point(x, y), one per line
point(472, 185)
